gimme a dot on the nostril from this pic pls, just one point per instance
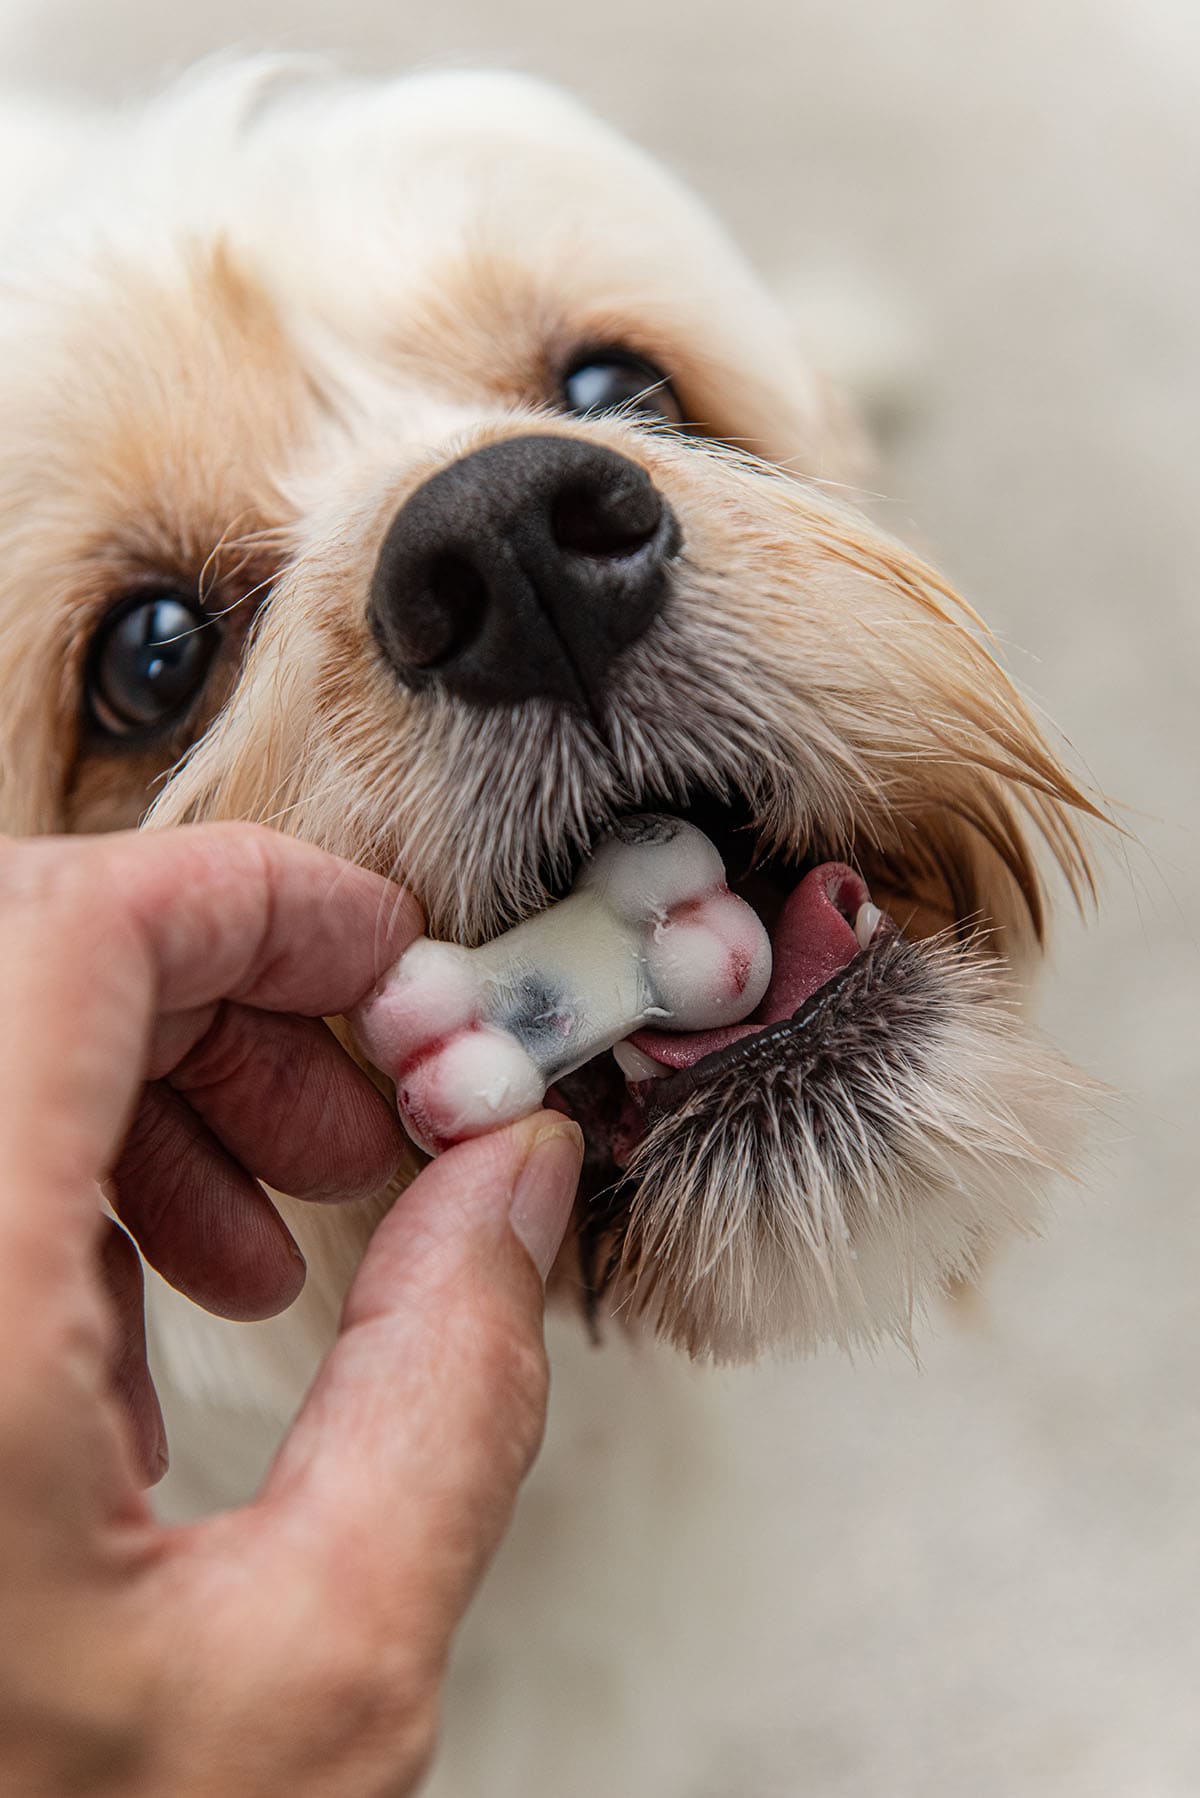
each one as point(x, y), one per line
point(606, 522)
point(441, 612)
point(454, 616)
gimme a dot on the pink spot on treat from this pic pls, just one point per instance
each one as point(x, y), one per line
point(425, 1051)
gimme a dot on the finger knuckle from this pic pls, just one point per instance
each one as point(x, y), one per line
point(50, 873)
point(371, 1703)
point(219, 1056)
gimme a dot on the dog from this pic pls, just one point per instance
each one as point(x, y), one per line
point(247, 327)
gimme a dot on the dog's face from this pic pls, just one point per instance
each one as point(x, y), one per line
point(415, 468)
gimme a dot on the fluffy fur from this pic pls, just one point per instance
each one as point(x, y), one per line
point(239, 327)
point(820, 1190)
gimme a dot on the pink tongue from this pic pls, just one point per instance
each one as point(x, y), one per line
point(811, 943)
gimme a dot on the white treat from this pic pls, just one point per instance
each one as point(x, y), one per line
point(650, 935)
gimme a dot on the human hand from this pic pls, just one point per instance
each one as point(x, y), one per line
point(160, 1039)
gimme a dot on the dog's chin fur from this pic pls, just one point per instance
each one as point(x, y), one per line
point(818, 1189)
point(241, 328)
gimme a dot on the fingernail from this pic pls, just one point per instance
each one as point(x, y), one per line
point(544, 1192)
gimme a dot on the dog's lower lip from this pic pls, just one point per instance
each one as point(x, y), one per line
point(665, 1092)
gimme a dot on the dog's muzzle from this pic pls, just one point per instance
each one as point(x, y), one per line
point(522, 571)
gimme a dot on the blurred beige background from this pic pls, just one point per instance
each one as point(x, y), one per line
point(980, 1579)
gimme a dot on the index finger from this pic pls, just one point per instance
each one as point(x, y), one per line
point(100, 936)
point(238, 911)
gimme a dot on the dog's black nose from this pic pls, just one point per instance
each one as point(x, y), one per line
point(522, 571)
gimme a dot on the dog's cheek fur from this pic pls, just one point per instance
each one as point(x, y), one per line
point(874, 689)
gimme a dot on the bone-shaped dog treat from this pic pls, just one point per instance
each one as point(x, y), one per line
point(650, 934)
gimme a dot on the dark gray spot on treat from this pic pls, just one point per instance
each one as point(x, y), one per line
point(543, 1017)
point(647, 827)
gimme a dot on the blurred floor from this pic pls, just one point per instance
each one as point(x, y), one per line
point(982, 1580)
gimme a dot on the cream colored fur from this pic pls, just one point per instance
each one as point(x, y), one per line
point(239, 327)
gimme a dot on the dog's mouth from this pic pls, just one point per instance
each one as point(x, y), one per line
point(821, 920)
point(878, 1120)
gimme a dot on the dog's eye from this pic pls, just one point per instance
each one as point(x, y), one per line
point(614, 379)
point(148, 661)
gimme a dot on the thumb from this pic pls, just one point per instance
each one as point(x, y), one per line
point(403, 1467)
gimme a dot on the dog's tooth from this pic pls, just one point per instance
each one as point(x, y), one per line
point(635, 1065)
point(866, 923)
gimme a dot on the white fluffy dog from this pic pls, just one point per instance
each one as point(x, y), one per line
point(243, 327)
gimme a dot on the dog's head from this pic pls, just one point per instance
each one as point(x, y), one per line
point(415, 468)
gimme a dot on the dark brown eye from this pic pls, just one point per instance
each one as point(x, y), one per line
point(148, 661)
point(610, 380)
